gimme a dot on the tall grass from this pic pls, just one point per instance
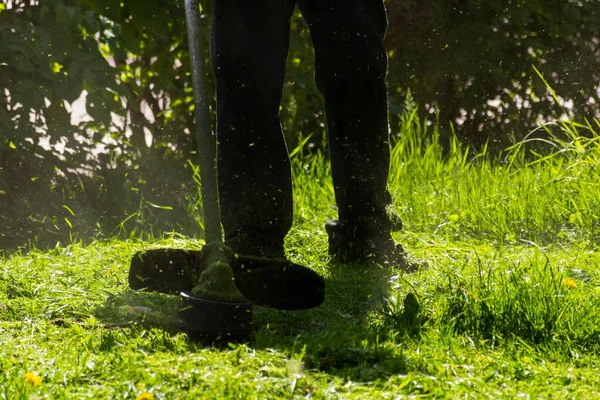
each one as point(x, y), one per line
point(531, 298)
point(518, 194)
point(540, 189)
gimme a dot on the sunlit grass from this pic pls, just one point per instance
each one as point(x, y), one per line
point(519, 194)
point(509, 305)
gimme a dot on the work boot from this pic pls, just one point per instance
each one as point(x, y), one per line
point(364, 246)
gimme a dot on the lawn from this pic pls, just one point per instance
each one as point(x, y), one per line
point(505, 305)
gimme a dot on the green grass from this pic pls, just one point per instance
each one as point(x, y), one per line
point(508, 307)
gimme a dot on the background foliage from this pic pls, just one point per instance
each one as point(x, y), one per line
point(124, 166)
point(474, 59)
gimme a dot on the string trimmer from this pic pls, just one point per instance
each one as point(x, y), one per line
point(217, 288)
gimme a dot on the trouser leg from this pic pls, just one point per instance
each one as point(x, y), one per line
point(351, 65)
point(249, 51)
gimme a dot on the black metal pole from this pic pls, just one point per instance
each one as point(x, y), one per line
point(207, 147)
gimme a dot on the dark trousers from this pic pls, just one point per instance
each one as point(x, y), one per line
point(249, 51)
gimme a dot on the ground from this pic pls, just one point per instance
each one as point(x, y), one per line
point(507, 306)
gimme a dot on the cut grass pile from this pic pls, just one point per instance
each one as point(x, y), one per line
point(509, 305)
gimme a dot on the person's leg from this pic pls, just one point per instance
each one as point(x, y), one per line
point(249, 51)
point(351, 65)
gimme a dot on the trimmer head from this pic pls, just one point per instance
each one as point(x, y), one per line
point(215, 319)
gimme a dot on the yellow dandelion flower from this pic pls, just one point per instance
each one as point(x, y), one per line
point(570, 283)
point(146, 396)
point(32, 378)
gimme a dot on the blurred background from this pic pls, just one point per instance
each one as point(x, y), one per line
point(96, 103)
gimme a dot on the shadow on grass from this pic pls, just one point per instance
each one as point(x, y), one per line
point(344, 336)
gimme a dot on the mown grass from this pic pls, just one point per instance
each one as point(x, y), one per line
point(507, 307)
